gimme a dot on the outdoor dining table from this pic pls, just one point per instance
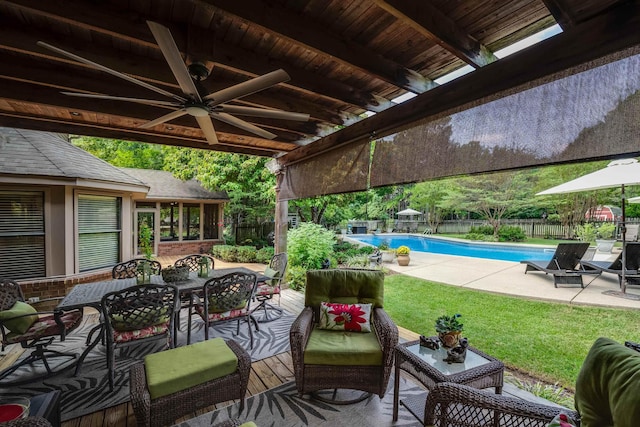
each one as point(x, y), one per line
point(90, 295)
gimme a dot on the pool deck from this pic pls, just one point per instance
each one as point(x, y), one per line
point(508, 278)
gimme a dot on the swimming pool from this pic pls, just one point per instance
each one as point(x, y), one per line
point(450, 247)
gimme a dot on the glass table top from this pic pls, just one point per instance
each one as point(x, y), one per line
point(435, 358)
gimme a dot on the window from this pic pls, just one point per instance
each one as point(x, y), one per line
point(190, 221)
point(169, 221)
point(210, 221)
point(22, 234)
point(145, 205)
point(98, 231)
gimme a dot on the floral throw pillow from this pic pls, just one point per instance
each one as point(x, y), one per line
point(345, 317)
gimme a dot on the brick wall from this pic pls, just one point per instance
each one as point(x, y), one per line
point(185, 248)
point(56, 287)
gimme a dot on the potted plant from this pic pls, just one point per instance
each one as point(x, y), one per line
point(605, 236)
point(402, 254)
point(449, 329)
point(387, 254)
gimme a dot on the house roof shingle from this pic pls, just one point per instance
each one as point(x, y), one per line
point(27, 152)
point(164, 185)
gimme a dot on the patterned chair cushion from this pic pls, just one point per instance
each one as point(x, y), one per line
point(149, 331)
point(46, 325)
point(265, 289)
point(217, 316)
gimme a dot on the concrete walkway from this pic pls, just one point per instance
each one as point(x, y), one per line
point(505, 277)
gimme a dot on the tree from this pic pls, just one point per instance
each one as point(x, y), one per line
point(492, 195)
point(126, 154)
point(430, 195)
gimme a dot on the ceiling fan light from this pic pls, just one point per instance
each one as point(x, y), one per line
point(197, 111)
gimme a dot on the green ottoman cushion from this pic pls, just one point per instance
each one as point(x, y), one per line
point(181, 368)
point(249, 424)
point(326, 347)
point(608, 386)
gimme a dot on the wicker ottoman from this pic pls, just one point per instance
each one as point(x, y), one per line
point(166, 409)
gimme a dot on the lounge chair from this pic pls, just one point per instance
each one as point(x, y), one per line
point(564, 265)
point(615, 266)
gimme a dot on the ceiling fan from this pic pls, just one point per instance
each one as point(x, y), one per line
point(193, 101)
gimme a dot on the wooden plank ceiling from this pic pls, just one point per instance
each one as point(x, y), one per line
point(344, 58)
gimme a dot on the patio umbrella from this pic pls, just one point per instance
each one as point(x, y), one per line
point(409, 212)
point(619, 173)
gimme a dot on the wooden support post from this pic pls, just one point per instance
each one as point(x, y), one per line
point(282, 217)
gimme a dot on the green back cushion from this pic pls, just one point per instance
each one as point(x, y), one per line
point(344, 286)
point(271, 274)
point(21, 324)
point(167, 372)
point(608, 386)
point(343, 348)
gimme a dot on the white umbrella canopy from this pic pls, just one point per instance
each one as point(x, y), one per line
point(409, 212)
point(618, 173)
point(634, 200)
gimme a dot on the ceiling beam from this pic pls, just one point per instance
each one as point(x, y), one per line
point(608, 33)
point(427, 19)
point(48, 124)
point(133, 29)
point(303, 32)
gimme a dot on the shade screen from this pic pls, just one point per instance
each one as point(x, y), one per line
point(338, 171)
point(585, 113)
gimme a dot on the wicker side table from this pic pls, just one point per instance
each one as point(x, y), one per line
point(427, 366)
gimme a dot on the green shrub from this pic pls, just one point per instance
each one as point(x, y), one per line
point(246, 253)
point(296, 277)
point(309, 245)
point(226, 253)
point(475, 236)
point(357, 261)
point(265, 254)
point(486, 230)
point(510, 233)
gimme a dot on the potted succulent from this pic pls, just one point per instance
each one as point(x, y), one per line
point(387, 253)
point(449, 329)
point(402, 254)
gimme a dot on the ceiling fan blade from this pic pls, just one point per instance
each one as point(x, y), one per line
point(247, 88)
point(174, 59)
point(122, 98)
point(207, 128)
point(172, 115)
point(261, 112)
point(239, 123)
point(109, 70)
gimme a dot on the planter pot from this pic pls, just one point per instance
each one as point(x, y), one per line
point(449, 339)
point(388, 256)
point(604, 245)
point(403, 260)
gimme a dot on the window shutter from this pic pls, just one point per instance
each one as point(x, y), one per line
point(98, 231)
point(22, 234)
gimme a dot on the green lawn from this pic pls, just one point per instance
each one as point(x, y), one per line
point(546, 340)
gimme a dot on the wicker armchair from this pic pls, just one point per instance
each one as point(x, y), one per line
point(453, 405)
point(129, 269)
point(344, 286)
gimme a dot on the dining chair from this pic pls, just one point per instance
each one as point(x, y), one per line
point(225, 299)
point(269, 286)
point(135, 315)
point(130, 269)
point(22, 323)
point(201, 264)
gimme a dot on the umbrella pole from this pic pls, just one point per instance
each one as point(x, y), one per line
point(623, 230)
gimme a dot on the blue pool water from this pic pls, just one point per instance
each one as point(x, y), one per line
point(450, 247)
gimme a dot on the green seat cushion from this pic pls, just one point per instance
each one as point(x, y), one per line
point(21, 324)
point(326, 347)
point(249, 424)
point(608, 386)
point(180, 368)
point(139, 318)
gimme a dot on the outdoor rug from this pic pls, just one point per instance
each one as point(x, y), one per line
point(281, 407)
point(89, 391)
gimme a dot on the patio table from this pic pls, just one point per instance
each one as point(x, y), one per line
point(90, 295)
point(479, 370)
